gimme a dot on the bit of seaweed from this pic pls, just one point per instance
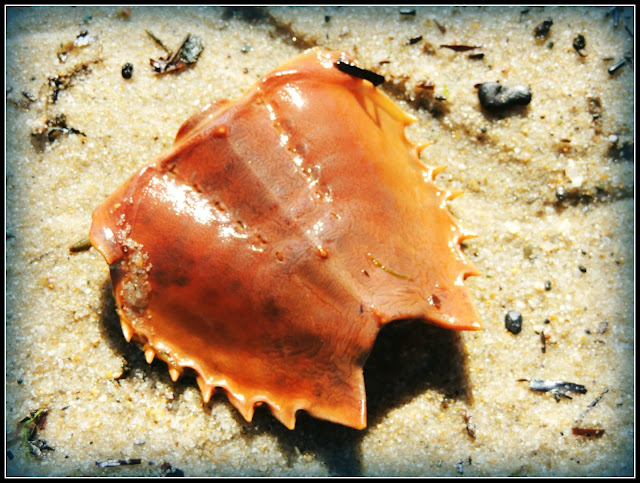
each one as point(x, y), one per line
point(30, 426)
point(588, 432)
point(460, 48)
point(122, 462)
point(379, 264)
point(355, 71)
point(545, 334)
point(616, 11)
point(82, 40)
point(58, 126)
point(440, 26)
point(158, 41)
point(64, 81)
point(24, 102)
point(470, 424)
point(590, 407)
point(34, 422)
point(557, 388)
point(38, 446)
point(187, 54)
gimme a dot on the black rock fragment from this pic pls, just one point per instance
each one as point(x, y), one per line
point(513, 322)
point(542, 30)
point(127, 70)
point(495, 97)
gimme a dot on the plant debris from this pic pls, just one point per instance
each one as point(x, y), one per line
point(616, 15)
point(58, 126)
point(579, 43)
point(187, 54)
point(440, 26)
point(588, 432)
point(470, 424)
point(495, 97)
point(460, 48)
point(122, 462)
point(82, 40)
point(378, 264)
point(558, 388)
point(545, 334)
point(590, 407)
point(415, 40)
point(23, 102)
point(38, 446)
point(33, 423)
point(29, 428)
point(64, 81)
point(355, 71)
point(621, 63)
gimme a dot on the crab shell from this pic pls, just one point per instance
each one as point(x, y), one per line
point(269, 245)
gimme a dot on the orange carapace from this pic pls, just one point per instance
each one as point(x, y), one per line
point(266, 249)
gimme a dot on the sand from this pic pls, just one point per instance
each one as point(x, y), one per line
point(549, 191)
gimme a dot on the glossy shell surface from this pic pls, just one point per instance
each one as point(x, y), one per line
point(269, 245)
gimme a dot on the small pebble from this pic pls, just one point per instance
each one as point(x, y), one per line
point(579, 43)
point(408, 11)
point(495, 97)
point(127, 70)
point(513, 322)
point(542, 30)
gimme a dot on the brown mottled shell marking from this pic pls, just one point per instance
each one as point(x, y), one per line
point(269, 245)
